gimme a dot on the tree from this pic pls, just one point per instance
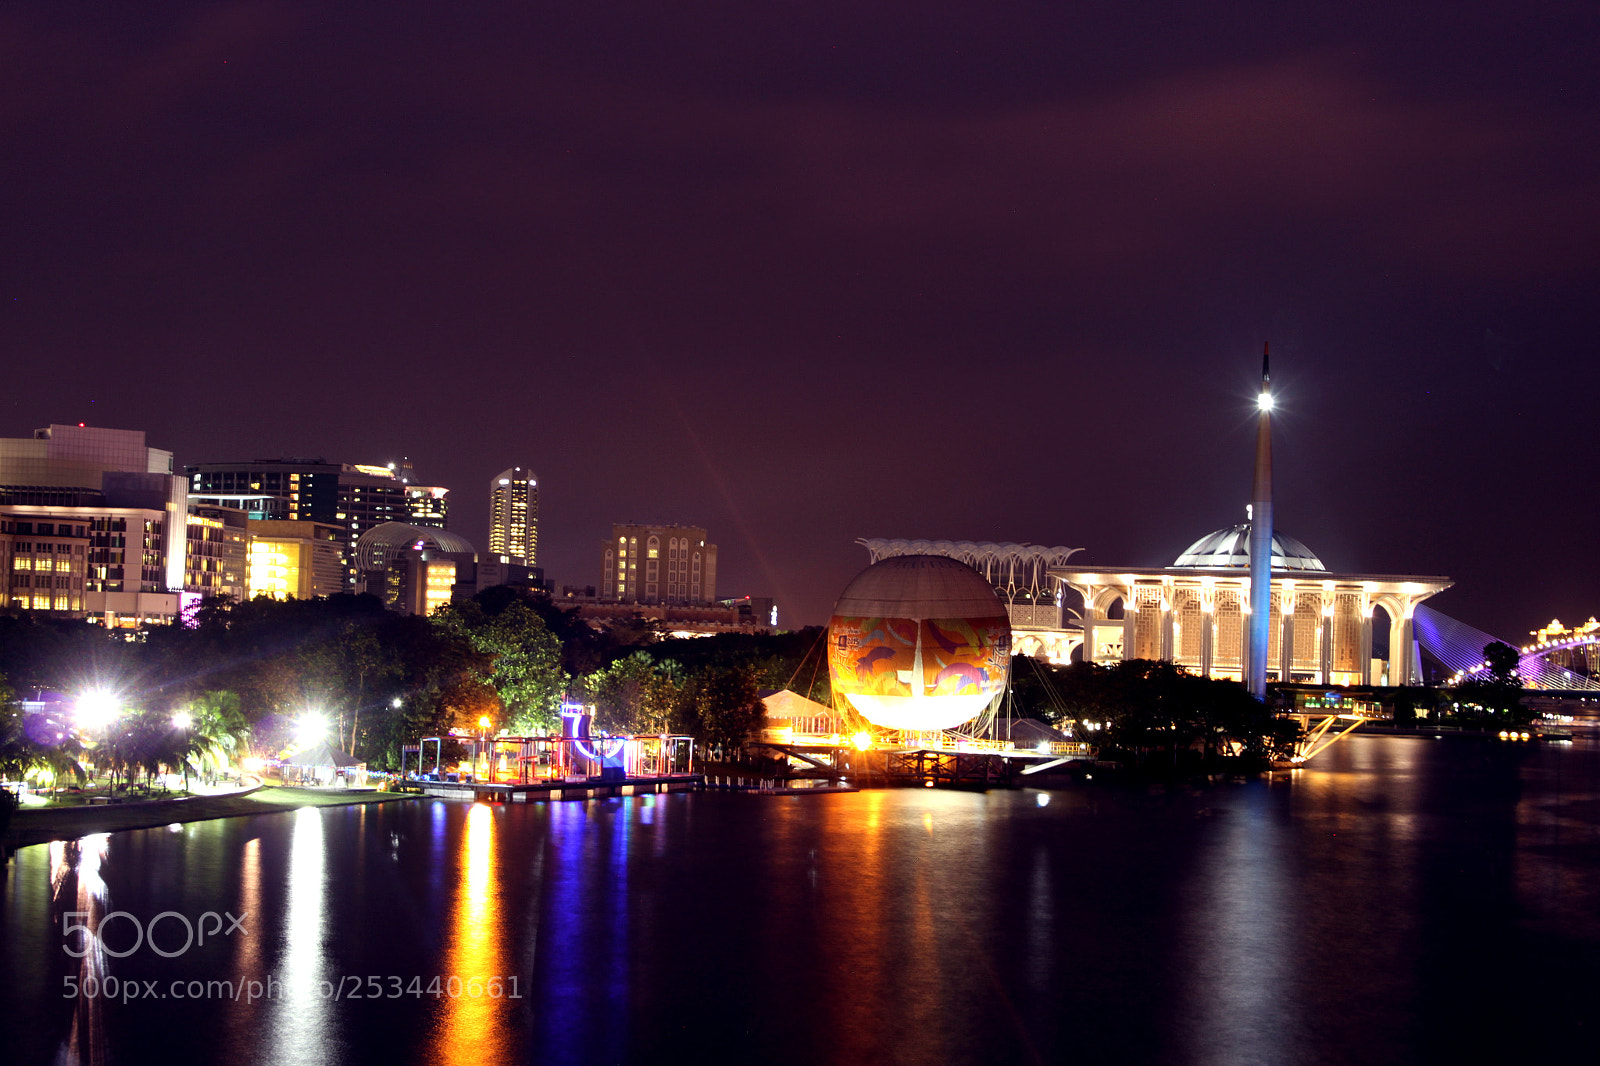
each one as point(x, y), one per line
point(636, 695)
point(723, 708)
point(1498, 697)
point(217, 730)
point(1154, 713)
point(36, 746)
point(526, 661)
point(342, 673)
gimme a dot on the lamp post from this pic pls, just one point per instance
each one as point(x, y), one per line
point(484, 725)
point(312, 727)
point(183, 721)
point(97, 710)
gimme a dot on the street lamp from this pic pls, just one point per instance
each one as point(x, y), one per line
point(484, 725)
point(183, 720)
point(96, 710)
point(311, 728)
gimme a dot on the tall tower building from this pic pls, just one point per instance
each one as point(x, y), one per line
point(514, 515)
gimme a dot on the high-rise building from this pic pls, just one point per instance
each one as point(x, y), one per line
point(428, 506)
point(352, 496)
point(658, 564)
point(514, 515)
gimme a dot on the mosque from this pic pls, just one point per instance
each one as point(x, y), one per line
point(1220, 610)
point(1195, 613)
point(1253, 604)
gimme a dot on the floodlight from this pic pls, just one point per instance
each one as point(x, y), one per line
point(311, 728)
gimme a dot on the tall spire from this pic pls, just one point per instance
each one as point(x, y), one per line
point(1261, 541)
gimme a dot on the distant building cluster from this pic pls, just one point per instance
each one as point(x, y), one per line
point(95, 524)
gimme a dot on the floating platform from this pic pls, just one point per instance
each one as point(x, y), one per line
point(564, 789)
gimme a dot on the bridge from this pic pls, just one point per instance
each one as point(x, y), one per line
point(1460, 647)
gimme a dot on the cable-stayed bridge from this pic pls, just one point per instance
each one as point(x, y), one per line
point(1460, 647)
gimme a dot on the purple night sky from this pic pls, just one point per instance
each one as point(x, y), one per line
point(805, 272)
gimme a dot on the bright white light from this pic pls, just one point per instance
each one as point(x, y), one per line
point(919, 715)
point(182, 720)
point(97, 709)
point(311, 728)
point(1264, 401)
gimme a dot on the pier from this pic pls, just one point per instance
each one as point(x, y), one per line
point(574, 788)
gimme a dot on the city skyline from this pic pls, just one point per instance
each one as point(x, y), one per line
point(980, 275)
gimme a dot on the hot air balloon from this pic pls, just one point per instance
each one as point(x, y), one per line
point(919, 642)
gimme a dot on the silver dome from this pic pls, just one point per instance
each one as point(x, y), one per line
point(380, 544)
point(1231, 548)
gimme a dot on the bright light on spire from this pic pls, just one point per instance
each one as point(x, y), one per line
point(1264, 401)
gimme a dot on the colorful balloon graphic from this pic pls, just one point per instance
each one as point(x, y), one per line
point(919, 642)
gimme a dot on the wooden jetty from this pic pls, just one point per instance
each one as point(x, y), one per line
point(570, 788)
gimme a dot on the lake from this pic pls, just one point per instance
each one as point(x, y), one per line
point(1400, 900)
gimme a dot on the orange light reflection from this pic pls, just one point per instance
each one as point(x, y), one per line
point(473, 1029)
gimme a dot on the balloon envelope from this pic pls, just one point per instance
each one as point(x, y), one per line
point(919, 642)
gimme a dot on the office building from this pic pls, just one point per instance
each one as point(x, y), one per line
point(217, 557)
point(658, 564)
point(92, 524)
point(295, 559)
point(417, 570)
point(354, 497)
point(514, 516)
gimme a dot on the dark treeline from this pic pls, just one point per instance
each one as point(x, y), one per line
point(1152, 715)
point(243, 673)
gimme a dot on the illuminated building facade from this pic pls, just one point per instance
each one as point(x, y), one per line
point(217, 553)
point(514, 516)
point(658, 564)
point(44, 552)
point(354, 497)
point(92, 524)
point(428, 505)
point(1195, 613)
point(298, 559)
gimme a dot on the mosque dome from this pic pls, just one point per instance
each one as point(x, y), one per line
point(1231, 548)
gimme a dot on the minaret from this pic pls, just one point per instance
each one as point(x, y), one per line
point(1255, 675)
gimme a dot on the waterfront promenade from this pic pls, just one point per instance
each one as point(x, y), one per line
point(39, 825)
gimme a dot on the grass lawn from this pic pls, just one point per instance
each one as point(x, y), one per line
point(68, 821)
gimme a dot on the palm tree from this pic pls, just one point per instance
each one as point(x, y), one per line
point(217, 731)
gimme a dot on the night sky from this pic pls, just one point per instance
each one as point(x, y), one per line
point(807, 272)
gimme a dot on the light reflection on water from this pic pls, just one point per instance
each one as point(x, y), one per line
point(300, 1023)
point(86, 1042)
point(1347, 912)
point(470, 1032)
point(1241, 938)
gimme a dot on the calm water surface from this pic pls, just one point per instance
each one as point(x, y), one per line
point(1409, 900)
